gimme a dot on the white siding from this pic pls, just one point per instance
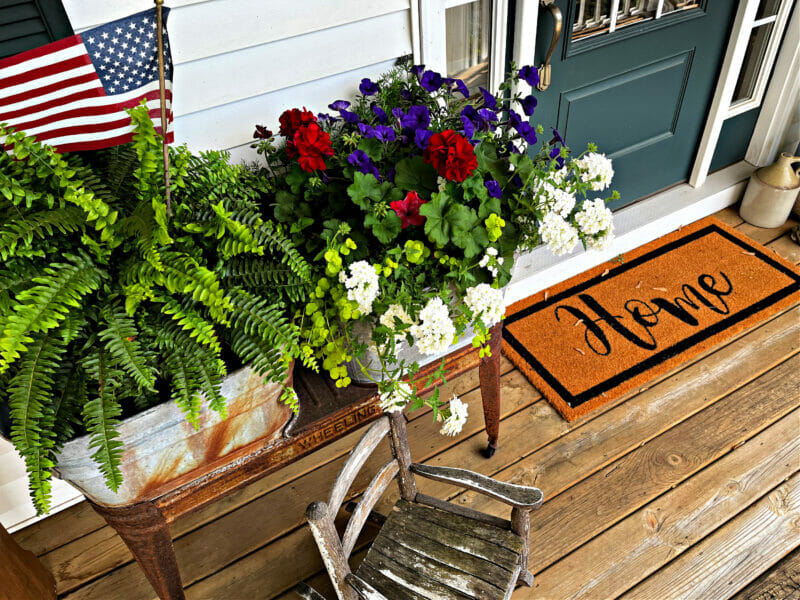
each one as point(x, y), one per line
point(242, 62)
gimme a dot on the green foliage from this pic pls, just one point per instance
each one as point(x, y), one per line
point(110, 304)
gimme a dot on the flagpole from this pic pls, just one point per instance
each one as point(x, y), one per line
point(162, 85)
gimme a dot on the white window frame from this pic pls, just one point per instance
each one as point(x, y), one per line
point(429, 26)
point(779, 21)
point(721, 108)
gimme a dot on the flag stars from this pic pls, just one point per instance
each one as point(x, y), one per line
point(118, 31)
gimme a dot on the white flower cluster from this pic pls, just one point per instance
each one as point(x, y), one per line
point(435, 331)
point(396, 398)
point(600, 242)
point(362, 285)
point(560, 236)
point(594, 217)
point(458, 417)
point(491, 261)
point(395, 311)
point(557, 200)
point(486, 303)
point(597, 169)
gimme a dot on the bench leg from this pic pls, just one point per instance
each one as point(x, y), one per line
point(146, 533)
point(489, 372)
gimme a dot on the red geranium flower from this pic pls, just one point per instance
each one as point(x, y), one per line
point(408, 209)
point(451, 155)
point(291, 120)
point(312, 145)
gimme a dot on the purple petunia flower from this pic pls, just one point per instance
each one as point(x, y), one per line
point(494, 189)
point(431, 81)
point(360, 160)
point(418, 117)
point(528, 105)
point(527, 132)
point(530, 75)
point(478, 122)
point(339, 105)
point(517, 180)
point(398, 113)
point(421, 137)
point(557, 137)
point(469, 128)
point(488, 115)
point(380, 113)
point(461, 87)
point(368, 87)
point(325, 117)
point(556, 154)
point(366, 130)
point(417, 70)
point(391, 174)
point(514, 119)
point(489, 101)
point(405, 94)
point(349, 117)
point(384, 133)
point(512, 148)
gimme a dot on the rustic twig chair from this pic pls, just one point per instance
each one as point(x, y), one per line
point(427, 548)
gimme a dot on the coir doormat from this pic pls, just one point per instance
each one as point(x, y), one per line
point(613, 328)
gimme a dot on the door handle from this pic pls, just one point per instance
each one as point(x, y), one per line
point(544, 69)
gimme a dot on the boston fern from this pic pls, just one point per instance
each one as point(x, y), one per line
point(109, 304)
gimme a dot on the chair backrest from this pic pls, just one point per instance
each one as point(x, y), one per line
point(321, 515)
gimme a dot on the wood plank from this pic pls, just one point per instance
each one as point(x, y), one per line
point(763, 235)
point(246, 529)
point(735, 554)
point(729, 216)
point(231, 77)
point(387, 555)
point(609, 495)
point(781, 581)
point(588, 446)
point(22, 575)
point(787, 248)
point(619, 558)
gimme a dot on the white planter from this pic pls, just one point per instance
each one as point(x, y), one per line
point(160, 445)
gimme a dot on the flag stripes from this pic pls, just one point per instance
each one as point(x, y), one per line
point(73, 93)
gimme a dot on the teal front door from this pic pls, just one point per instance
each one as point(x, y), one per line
point(636, 77)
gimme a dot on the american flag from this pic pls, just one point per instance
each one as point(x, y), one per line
point(72, 94)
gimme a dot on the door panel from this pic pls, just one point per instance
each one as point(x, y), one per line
point(640, 92)
point(645, 123)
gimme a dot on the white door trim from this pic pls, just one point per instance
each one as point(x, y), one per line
point(726, 83)
point(781, 102)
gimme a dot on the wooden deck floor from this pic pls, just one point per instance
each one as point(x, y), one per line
point(689, 488)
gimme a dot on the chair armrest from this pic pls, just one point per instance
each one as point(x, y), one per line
point(363, 589)
point(516, 495)
point(306, 592)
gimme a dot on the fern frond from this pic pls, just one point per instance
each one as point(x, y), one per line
point(120, 338)
point(280, 245)
point(261, 336)
point(45, 305)
point(17, 234)
point(265, 277)
point(191, 321)
point(33, 415)
point(185, 389)
point(100, 418)
point(200, 369)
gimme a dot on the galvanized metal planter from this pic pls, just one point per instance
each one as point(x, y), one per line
point(160, 445)
point(404, 353)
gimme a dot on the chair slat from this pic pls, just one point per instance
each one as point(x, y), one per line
point(371, 495)
point(368, 442)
